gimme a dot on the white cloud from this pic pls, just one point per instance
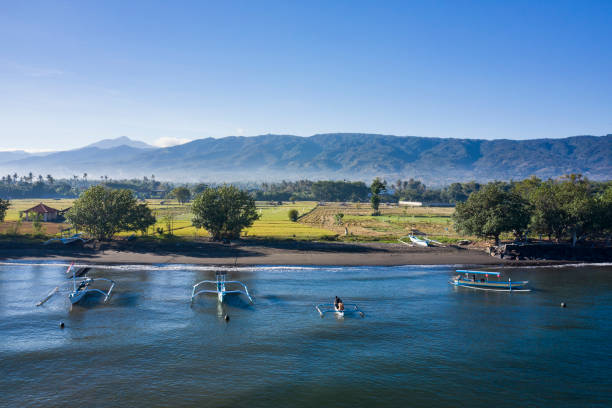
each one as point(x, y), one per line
point(240, 131)
point(170, 141)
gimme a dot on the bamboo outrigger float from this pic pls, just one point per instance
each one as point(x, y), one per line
point(220, 288)
point(480, 280)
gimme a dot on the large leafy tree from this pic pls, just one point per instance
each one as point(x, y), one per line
point(103, 212)
point(526, 188)
point(182, 194)
point(578, 206)
point(4, 205)
point(376, 188)
point(491, 211)
point(548, 216)
point(223, 211)
point(604, 213)
point(141, 218)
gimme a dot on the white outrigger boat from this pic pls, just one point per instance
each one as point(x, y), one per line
point(480, 280)
point(83, 288)
point(331, 308)
point(420, 241)
point(220, 287)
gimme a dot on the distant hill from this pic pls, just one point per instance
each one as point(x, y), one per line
point(436, 161)
point(120, 141)
point(13, 155)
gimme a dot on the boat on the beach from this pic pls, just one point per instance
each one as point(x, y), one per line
point(84, 287)
point(349, 308)
point(480, 280)
point(68, 240)
point(424, 242)
point(220, 288)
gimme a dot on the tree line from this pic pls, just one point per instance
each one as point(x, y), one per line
point(346, 191)
point(30, 186)
point(571, 207)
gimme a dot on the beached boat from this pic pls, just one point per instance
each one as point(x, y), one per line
point(349, 308)
point(220, 287)
point(84, 287)
point(424, 242)
point(68, 240)
point(480, 280)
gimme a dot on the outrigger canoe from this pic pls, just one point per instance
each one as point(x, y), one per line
point(331, 308)
point(480, 280)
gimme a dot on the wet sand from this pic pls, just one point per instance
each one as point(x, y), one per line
point(260, 253)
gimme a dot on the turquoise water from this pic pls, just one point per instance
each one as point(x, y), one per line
point(422, 343)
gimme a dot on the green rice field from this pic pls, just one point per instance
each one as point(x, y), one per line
point(316, 221)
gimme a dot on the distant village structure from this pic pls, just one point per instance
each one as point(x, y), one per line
point(47, 213)
point(410, 203)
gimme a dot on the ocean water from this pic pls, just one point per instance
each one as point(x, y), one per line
point(422, 342)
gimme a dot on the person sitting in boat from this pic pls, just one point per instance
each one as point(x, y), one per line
point(338, 304)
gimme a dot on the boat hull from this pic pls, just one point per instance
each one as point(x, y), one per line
point(76, 297)
point(509, 286)
point(418, 241)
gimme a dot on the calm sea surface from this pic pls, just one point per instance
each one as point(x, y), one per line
point(422, 342)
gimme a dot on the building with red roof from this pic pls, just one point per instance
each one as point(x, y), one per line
point(47, 213)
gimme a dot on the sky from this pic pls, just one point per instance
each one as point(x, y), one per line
point(74, 72)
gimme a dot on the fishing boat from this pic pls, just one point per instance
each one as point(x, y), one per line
point(418, 241)
point(480, 280)
point(66, 241)
point(220, 287)
point(84, 287)
point(424, 242)
point(349, 308)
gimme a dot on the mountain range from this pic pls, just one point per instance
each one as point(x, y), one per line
point(353, 156)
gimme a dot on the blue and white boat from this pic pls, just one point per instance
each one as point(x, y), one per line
point(481, 280)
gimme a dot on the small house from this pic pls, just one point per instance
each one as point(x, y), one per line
point(47, 213)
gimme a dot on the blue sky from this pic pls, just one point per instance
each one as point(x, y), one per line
point(74, 72)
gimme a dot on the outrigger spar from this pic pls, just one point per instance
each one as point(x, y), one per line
point(220, 287)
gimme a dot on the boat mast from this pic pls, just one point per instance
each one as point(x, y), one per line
point(73, 277)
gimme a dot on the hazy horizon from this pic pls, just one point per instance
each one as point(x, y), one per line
point(163, 144)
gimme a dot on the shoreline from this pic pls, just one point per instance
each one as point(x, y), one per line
point(250, 253)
